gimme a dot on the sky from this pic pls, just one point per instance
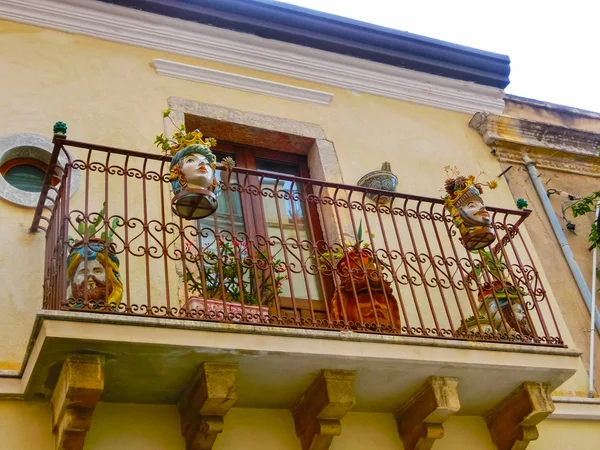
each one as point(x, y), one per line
point(554, 46)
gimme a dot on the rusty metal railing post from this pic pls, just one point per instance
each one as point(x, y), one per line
point(37, 216)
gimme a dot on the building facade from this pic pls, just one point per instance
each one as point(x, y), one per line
point(314, 308)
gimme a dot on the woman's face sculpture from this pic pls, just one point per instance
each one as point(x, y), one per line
point(474, 212)
point(197, 171)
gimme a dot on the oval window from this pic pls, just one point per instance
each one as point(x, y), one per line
point(25, 174)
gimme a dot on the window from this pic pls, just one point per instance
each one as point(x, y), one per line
point(271, 220)
point(24, 159)
point(26, 174)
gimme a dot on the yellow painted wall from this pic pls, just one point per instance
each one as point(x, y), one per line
point(26, 426)
point(567, 435)
point(128, 426)
point(107, 93)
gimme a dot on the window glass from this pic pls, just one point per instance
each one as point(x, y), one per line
point(25, 177)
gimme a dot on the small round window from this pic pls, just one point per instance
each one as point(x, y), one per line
point(26, 174)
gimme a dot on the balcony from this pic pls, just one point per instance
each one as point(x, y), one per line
point(289, 276)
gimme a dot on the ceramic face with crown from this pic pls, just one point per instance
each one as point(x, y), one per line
point(192, 172)
point(193, 164)
point(463, 201)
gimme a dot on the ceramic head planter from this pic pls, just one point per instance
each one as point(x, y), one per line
point(193, 167)
point(101, 280)
point(464, 203)
point(192, 172)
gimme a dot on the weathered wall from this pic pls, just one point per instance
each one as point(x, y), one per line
point(563, 285)
point(539, 111)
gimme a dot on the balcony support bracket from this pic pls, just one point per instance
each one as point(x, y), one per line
point(78, 390)
point(420, 418)
point(318, 412)
point(205, 403)
point(512, 422)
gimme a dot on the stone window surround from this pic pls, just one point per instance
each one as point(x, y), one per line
point(33, 146)
point(259, 130)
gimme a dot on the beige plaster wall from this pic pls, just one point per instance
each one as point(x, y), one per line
point(567, 294)
point(107, 93)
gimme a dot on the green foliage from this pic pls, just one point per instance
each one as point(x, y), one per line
point(231, 273)
point(585, 206)
point(496, 266)
point(165, 143)
point(92, 228)
point(330, 259)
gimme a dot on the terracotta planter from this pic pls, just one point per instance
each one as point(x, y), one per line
point(355, 262)
point(363, 295)
point(214, 309)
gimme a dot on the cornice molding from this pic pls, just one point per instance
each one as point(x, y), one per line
point(133, 27)
point(552, 147)
point(576, 409)
point(241, 82)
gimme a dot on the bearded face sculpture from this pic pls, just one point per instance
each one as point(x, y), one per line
point(98, 278)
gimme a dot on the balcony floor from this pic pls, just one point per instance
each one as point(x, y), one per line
point(151, 360)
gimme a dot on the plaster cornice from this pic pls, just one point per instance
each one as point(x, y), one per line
point(133, 27)
point(235, 81)
point(552, 147)
point(576, 409)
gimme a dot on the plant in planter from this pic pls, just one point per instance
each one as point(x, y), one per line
point(362, 295)
point(93, 267)
point(502, 298)
point(234, 274)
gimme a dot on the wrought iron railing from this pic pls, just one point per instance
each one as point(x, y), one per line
point(280, 251)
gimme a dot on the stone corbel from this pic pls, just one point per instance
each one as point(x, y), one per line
point(318, 412)
point(512, 422)
point(78, 390)
point(204, 405)
point(420, 418)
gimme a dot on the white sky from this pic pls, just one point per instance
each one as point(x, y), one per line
point(553, 45)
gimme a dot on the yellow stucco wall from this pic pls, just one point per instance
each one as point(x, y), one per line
point(107, 93)
point(567, 435)
point(26, 426)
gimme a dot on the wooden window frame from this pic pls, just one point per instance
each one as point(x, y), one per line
point(245, 156)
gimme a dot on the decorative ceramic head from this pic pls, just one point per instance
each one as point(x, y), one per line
point(474, 212)
point(463, 201)
point(192, 175)
point(97, 280)
point(193, 166)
